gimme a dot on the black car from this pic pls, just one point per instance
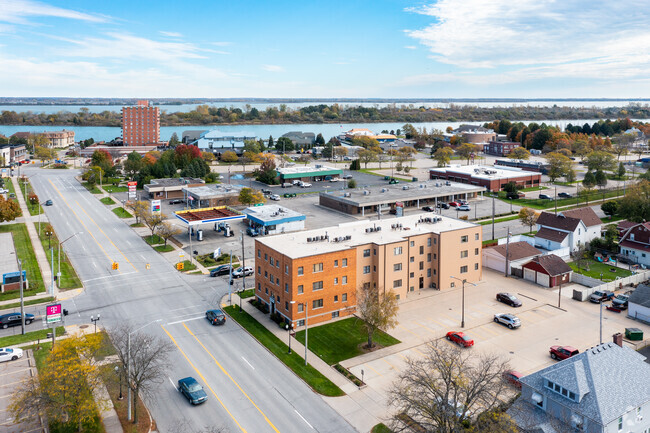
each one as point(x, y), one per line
point(508, 299)
point(220, 270)
point(443, 205)
point(176, 201)
point(191, 389)
point(13, 319)
point(215, 317)
point(620, 302)
point(428, 209)
point(564, 195)
point(266, 191)
point(545, 197)
point(48, 203)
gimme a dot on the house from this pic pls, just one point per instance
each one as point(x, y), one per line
point(639, 304)
point(547, 271)
point(624, 226)
point(635, 243)
point(567, 229)
point(518, 253)
point(301, 139)
point(604, 389)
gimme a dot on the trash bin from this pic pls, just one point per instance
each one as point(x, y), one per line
point(199, 234)
point(633, 334)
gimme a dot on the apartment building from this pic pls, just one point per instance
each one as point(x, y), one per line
point(140, 124)
point(320, 270)
point(59, 138)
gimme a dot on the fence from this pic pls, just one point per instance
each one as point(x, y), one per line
point(594, 284)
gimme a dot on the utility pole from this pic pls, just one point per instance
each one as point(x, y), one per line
point(230, 281)
point(601, 322)
point(556, 200)
point(52, 268)
point(493, 216)
point(507, 253)
point(306, 330)
point(22, 303)
point(243, 264)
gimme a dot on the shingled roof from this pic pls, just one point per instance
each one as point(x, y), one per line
point(641, 296)
point(559, 222)
point(586, 214)
point(551, 235)
point(517, 250)
point(552, 264)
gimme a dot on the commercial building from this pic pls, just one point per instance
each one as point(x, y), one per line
point(273, 219)
point(116, 151)
point(140, 124)
point(308, 173)
point(364, 132)
point(500, 148)
point(209, 196)
point(492, 178)
point(300, 139)
point(475, 134)
point(319, 271)
point(12, 153)
point(171, 187)
point(218, 142)
point(396, 198)
point(524, 165)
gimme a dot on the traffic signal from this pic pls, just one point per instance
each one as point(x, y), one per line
point(116, 265)
point(180, 266)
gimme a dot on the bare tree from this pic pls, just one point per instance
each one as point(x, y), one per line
point(378, 311)
point(149, 357)
point(166, 230)
point(446, 387)
point(139, 209)
point(579, 255)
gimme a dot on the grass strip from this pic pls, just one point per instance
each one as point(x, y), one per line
point(369, 171)
point(163, 248)
point(107, 200)
point(153, 240)
point(25, 189)
point(25, 251)
point(12, 340)
point(246, 293)
point(92, 188)
point(113, 188)
point(309, 374)
point(69, 278)
point(121, 212)
point(28, 302)
point(188, 266)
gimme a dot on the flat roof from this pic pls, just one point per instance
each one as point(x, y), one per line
point(208, 215)
point(353, 234)
point(169, 182)
point(424, 190)
point(8, 261)
point(211, 191)
point(303, 171)
point(485, 171)
point(272, 214)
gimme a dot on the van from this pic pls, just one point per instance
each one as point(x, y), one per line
point(287, 185)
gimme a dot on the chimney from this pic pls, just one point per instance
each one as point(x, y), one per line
point(618, 339)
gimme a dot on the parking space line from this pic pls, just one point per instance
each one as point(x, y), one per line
point(423, 326)
point(203, 378)
point(370, 367)
point(185, 320)
point(391, 365)
point(436, 322)
point(407, 330)
point(489, 330)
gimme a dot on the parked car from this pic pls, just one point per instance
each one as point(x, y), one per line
point(220, 270)
point(266, 191)
point(348, 176)
point(513, 378)
point(242, 272)
point(508, 299)
point(215, 317)
point(250, 231)
point(460, 338)
point(464, 207)
point(305, 185)
point(510, 320)
point(454, 204)
point(10, 354)
point(393, 181)
point(3, 191)
point(600, 296)
point(462, 202)
point(428, 209)
point(14, 319)
point(563, 352)
point(545, 197)
point(443, 205)
point(289, 194)
point(48, 203)
point(191, 389)
point(620, 302)
point(297, 182)
point(274, 197)
point(564, 195)
point(176, 201)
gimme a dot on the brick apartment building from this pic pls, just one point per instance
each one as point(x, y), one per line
point(500, 148)
point(140, 124)
point(322, 269)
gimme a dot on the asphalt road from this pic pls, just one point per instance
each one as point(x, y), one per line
point(248, 389)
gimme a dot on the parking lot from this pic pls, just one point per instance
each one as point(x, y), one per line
point(12, 374)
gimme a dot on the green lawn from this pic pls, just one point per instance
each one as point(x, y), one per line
point(337, 341)
point(499, 220)
point(113, 188)
point(69, 278)
point(596, 269)
point(137, 225)
point(163, 248)
point(153, 240)
point(26, 255)
point(28, 302)
point(12, 340)
point(381, 428)
point(542, 204)
point(246, 293)
point(107, 200)
point(188, 266)
point(93, 189)
point(121, 212)
point(309, 374)
point(25, 188)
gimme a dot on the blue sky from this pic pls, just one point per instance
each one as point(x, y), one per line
point(323, 49)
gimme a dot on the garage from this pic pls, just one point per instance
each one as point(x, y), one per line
point(530, 275)
point(518, 253)
point(547, 271)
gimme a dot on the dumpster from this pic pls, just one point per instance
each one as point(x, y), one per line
point(415, 179)
point(634, 334)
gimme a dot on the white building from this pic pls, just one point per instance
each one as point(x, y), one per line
point(274, 219)
point(218, 142)
point(567, 229)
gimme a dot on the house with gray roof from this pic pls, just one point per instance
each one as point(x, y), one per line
point(569, 228)
point(301, 139)
point(639, 303)
point(604, 389)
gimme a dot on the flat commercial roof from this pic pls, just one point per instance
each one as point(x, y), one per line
point(212, 191)
point(425, 190)
point(8, 262)
point(296, 172)
point(272, 214)
point(208, 215)
point(485, 171)
point(349, 235)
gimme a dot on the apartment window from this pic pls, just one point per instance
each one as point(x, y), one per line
point(259, 287)
point(463, 254)
point(286, 269)
point(397, 267)
point(412, 275)
point(301, 271)
point(366, 286)
point(271, 261)
point(344, 263)
point(300, 308)
point(259, 253)
point(435, 256)
point(421, 249)
point(429, 272)
point(397, 283)
point(301, 322)
point(397, 251)
point(266, 290)
point(421, 265)
point(366, 269)
point(374, 251)
point(428, 257)
point(344, 280)
point(317, 303)
point(412, 243)
point(429, 242)
point(366, 253)
point(412, 259)
point(259, 270)
point(277, 263)
point(266, 257)
point(301, 289)
point(336, 281)
point(336, 298)
point(476, 251)
point(476, 266)
point(464, 239)
point(286, 287)
point(463, 269)
point(476, 236)
point(317, 285)
point(374, 268)
point(344, 297)
point(266, 274)
point(620, 423)
point(335, 314)
point(435, 241)
point(318, 267)
point(336, 263)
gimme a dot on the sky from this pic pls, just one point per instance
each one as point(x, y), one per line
point(325, 49)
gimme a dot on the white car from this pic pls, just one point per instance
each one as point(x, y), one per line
point(305, 185)
point(241, 272)
point(274, 197)
point(10, 354)
point(297, 182)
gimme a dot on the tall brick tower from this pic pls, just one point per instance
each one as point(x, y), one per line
point(140, 124)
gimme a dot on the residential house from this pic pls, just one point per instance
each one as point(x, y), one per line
point(605, 389)
point(635, 243)
point(639, 303)
point(517, 253)
point(567, 229)
point(547, 271)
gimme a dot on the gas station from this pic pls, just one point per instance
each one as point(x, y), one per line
point(220, 216)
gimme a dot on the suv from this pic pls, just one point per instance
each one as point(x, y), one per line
point(242, 272)
point(563, 352)
point(220, 270)
point(13, 319)
point(564, 195)
point(215, 317)
point(601, 295)
point(620, 302)
point(464, 207)
point(191, 389)
point(508, 299)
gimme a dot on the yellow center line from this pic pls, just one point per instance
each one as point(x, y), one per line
point(203, 378)
point(82, 223)
point(109, 239)
point(230, 377)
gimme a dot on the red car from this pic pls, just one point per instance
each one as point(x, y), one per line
point(513, 378)
point(460, 338)
point(454, 204)
point(563, 352)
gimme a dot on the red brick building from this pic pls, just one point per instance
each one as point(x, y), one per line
point(492, 178)
point(140, 124)
point(500, 148)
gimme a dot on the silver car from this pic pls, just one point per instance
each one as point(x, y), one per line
point(511, 321)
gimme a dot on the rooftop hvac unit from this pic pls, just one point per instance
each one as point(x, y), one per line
point(366, 192)
point(367, 230)
point(447, 183)
point(308, 239)
point(437, 184)
point(378, 229)
point(322, 238)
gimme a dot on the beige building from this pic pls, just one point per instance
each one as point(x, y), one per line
point(59, 138)
point(321, 270)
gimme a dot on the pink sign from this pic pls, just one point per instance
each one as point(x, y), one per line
point(53, 313)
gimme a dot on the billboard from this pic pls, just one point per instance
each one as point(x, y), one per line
point(53, 313)
point(132, 187)
point(155, 206)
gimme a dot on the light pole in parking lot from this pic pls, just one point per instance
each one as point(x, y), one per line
point(464, 281)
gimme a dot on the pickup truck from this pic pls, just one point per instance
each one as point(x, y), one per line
point(600, 296)
point(620, 302)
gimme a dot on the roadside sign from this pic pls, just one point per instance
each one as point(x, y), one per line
point(53, 313)
point(155, 206)
point(132, 187)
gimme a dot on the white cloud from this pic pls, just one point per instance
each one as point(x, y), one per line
point(17, 12)
point(411, 47)
point(171, 34)
point(273, 68)
point(221, 44)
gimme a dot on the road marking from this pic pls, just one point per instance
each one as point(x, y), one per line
point(408, 330)
point(303, 418)
point(185, 320)
point(231, 378)
point(249, 364)
point(185, 308)
point(203, 378)
point(422, 326)
point(391, 365)
point(109, 276)
point(172, 382)
point(368, 365)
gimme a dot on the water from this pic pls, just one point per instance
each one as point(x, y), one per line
point(107, 133)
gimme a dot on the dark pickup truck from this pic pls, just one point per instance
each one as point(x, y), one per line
point(600, 296)
point(620, 302)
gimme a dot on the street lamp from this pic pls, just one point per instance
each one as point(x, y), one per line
point(92, 319)
point(128, 365)
point(61, 243)
point(117, 371)
point(289, 327)
point(306, 322)
point(464, 281)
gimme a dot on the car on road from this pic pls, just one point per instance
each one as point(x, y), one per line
point(460, 338)
point(454, 204)
point(192, 390)
point(215, 317)
point(620, 302)
point(443, 205)
point(508, 299)
point(274, 197)
point(393, 181)
point(564, 195)
point(14, 319)
point(297, 182)
point(348, 176)
point(10, 354)
point(510, 320)
point(289, 194)
point(242, 272)
point(563, 352)
point(545, 197)
point(266, 191)
point(428, 209)
point(600, 296)
point(48, 203)
point(513, 378)
point(464, 207)
point(305, 185)
point(220, 270)
point(176, 201)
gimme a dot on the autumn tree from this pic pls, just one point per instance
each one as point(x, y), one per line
point(139, 209)
point(519, 153)
point(153, 220)
point(9, 209)
point(558, 165)
point(184, 154)
point(266, 172)
point(166, 230)
point(133, 164)
point(208, 157)
point(366, 156)
point(377, 310)
point(249, 196)
point(340, 152)
point(599, 160)
point(44, 153)
point(466, 150)
point(102, 159)
point(229, 156)
point(528, 217)
point(635, 205)
point(443, 156)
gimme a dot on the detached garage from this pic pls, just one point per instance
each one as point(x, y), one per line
point(547, 271)
point(639, 304)
point(518, 253)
